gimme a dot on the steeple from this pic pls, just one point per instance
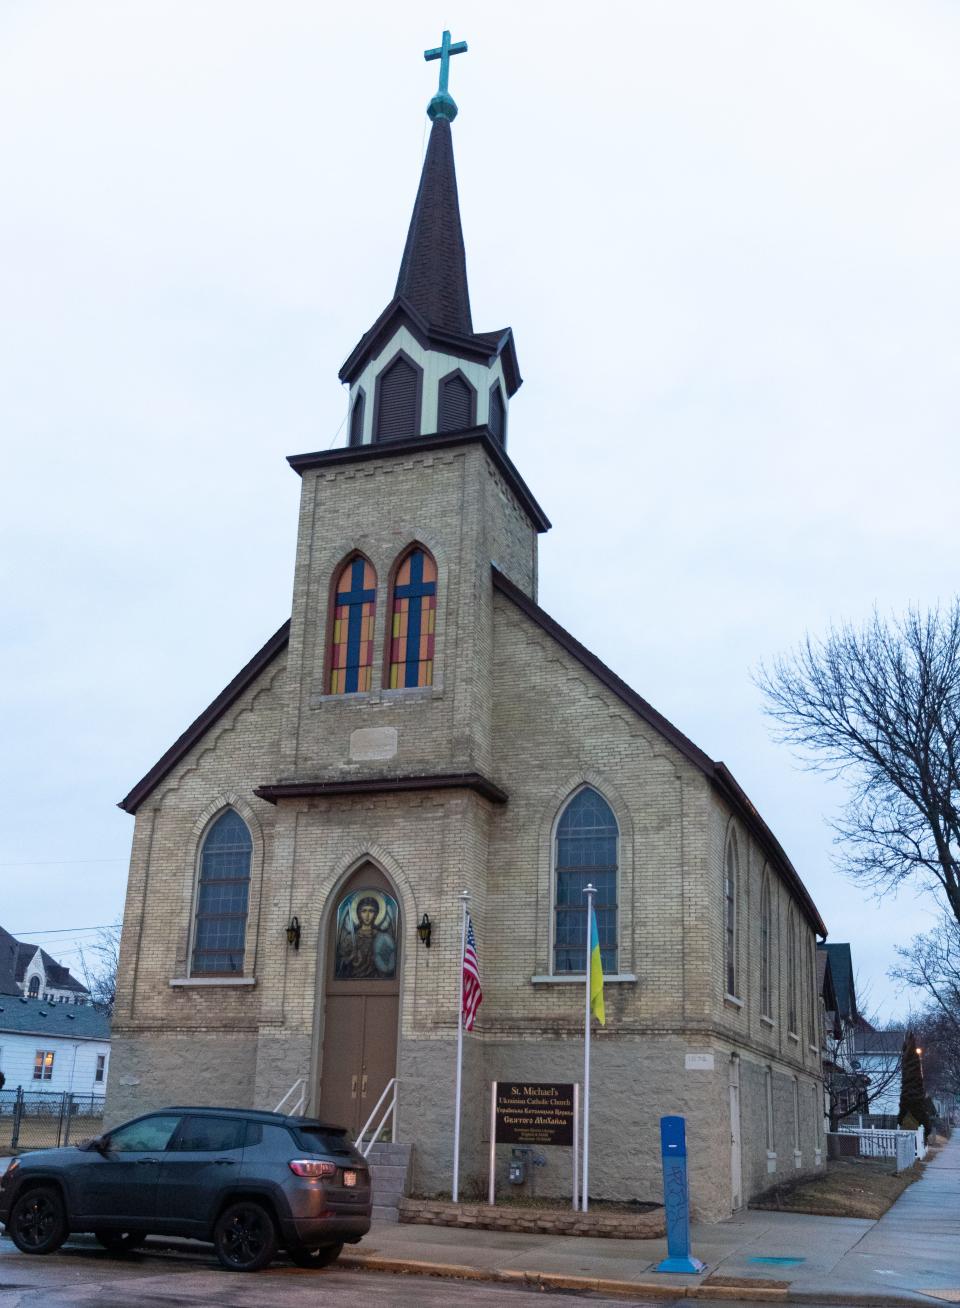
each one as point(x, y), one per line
point(421, 369)
point(433, 270)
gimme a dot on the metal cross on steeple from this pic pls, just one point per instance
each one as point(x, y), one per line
point(443, 104)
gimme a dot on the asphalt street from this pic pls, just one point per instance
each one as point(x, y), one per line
point(82, 1274)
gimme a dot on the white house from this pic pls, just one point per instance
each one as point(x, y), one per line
point(53, 1047)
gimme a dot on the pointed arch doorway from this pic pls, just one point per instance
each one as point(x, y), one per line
point(361, 998)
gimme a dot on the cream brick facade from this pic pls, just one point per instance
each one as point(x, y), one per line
point(516, 704)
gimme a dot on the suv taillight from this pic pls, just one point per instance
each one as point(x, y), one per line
point(310, 1167)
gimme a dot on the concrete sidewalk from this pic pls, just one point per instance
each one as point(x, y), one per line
point(911, 1255)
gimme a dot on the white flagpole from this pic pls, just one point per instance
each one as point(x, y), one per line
point(464, 900)
point(589, 890)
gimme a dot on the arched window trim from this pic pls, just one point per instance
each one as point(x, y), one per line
point(766, 947)
point(731, 932)
point(195, 905)
point(418, 402)
point(355, 437)
point(337, 573)
point(391, 596)
point(457, 372)
point(554, 869)
point(496, 388)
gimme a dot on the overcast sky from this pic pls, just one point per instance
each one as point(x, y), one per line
point(725, 237)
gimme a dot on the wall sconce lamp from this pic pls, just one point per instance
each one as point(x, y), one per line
point(293, 932)
point(424, 930)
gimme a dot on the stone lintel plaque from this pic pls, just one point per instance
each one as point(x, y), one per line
point(373, 744)
point(534, 1113)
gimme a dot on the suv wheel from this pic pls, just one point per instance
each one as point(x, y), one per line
point(38, 1221)
point(120, 1241)
point(322, 1257)
point(245, 1237)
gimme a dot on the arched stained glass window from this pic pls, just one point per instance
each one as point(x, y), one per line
point(221, 921)
point(586, 851)
point(412, 621)
point(791, 974)
point(355, 603)
point(34, 988)
point(766, 950)
point(731, 877)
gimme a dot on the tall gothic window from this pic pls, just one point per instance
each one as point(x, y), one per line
point(766, 949)
point(791, 973)
point(731, 877)
point(586, 851)
point(354, 606)
point(34, 988)
point(456, 403)
point(398, 400)
point(412, 621)
point(812, 993)
point(222, 890)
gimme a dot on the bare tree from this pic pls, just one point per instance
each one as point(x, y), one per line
point(880, 706)
point(931, 963)
point(99, 963)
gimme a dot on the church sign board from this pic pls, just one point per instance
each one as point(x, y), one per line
point(528, 1113)
point(534, 1113)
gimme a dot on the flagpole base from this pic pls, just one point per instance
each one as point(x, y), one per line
point(681, 1265)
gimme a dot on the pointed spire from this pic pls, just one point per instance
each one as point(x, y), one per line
point(433, 271)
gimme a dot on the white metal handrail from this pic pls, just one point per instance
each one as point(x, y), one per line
point(299, 1084)
point(391, 1086)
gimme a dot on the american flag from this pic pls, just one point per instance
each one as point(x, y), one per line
point(472, 993)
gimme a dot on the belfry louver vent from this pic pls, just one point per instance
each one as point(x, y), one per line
point(456, 408)
point(398, 400)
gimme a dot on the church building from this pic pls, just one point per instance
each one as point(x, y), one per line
point(420, 727)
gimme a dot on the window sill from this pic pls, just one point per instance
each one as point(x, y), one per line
point(792, 1035)
point(402, 694)
point(573, 979)
point(733, 1001)
point(797, 1158)
point(814, 1049)
point(213, 981)
point(347, 697)
point(767, 1021)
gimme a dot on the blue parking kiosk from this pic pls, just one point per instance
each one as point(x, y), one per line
point(676, 1198)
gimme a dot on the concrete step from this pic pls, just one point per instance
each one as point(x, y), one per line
point(397, 1155)
point(389, 1175)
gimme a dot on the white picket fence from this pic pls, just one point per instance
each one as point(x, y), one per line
point(905, 1146)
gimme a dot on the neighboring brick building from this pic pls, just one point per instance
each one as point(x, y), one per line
point(419, 727)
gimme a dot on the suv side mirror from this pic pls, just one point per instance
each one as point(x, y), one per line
point(99, 1144)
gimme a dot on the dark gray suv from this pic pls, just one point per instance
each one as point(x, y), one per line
point(250, 1182)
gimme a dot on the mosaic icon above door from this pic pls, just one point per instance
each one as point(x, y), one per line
point(367, 936)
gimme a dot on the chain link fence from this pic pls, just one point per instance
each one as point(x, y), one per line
point(41, 1120)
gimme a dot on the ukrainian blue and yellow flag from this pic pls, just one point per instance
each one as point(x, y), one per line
point(596, 972)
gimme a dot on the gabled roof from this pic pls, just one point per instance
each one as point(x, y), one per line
point(9, 949)
point(717, 773)
point(230, 693)
point(33, 1017)
point(57, 976)
point(825, 987)
point(841, 965)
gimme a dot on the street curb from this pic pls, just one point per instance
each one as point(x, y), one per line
point(633, 1289)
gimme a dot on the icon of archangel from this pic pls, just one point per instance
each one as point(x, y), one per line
point(367, 937)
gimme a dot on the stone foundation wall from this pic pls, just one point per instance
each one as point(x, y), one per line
point(616, 1226)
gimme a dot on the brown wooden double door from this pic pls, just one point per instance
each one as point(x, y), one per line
point(361, 999)
point(359, 1056)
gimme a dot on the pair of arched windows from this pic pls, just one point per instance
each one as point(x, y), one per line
point(223, 888)
point(585, 851)
point(411, 630)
